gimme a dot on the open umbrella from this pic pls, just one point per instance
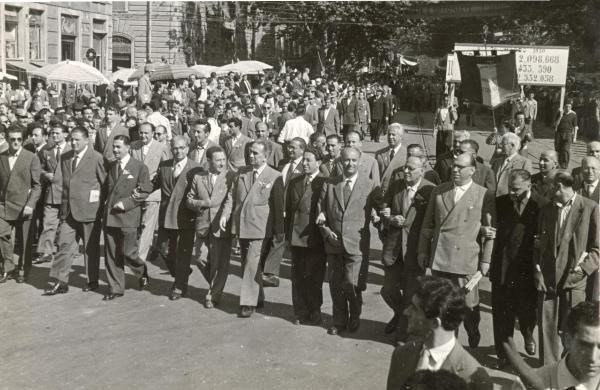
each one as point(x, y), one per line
point(172, 72)
point(122, 75)
point(245, 67)
point(205, 70)
point(71, 72)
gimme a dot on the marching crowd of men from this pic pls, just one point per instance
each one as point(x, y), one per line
point(255, 188)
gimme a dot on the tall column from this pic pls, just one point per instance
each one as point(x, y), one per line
point(2, 39)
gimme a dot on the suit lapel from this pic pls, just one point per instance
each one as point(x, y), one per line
point(4, 162)
point(453, 362)
point(572, 220)
point(357, 190)
point(339, 193)
point(448, 199)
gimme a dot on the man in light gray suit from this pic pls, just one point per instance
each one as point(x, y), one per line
point(392, 156)
point(210, 198)
point(200, 130)
point(511, 143)
point(451, 233)
point(151, 153)
point(329, 118)
point(257, 215)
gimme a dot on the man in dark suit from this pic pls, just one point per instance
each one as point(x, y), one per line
point(452, 228)
point(257, 215)
point(304, 239)
point(511, 143)
point(200, 130)
point(106, 135)
point(333, 145)
point(378, 115)
point(542, 182)
point(511, 270)
point(51, 176)
point(403, 210)
point(83, 177)
point(329, 118)
point(347, 202)
point(437, 308)
point(123, 216)
point(445, 161)
point(175, 220)
point(276, 156)
point(392, 156)
point(19, 192)
point(210, 198)
point(349, 111)
point(568, 254)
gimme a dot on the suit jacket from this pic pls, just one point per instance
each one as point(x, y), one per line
point(512, 258)
point(248, 126)
point(450, 232)
point(558, 256)
point(406, 357)
point(157, 152)
point(193, 154)
point(49, 164)
point(350, 111)
point(484, 176)
point(350, 222)
point(272, 121)
point(595, 196)
point(378, 109)
point(541, 187)
point(364, 112)
point(276, 157)
point(367, 166)
point(210, 202)
point(302, 207)
point(443, 166)
point(312, 115)
point(327, 167)
point(402, 243)
point(330, 124)
point(237, 154)
point(173, 213)
point(104, 142)
point(387, 167)
point(81, 186)
point(257, 207)
point(516, 162)
point(120, 189)
point(144, 90)
point(20, 186)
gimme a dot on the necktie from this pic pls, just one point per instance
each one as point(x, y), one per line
point(407, 201)
point(502, 168)
point(177, 170)
point(119, 169)
point(143, 153)
point(347, 192)
point(199, 149)
point(307, 183)
point(211, 182)
point(289, 173)
point(74, 164)
point(588, 190)
point(254, 176)
point(392, 153)
point(426, 362)
point(58, 154)
point(517, 205)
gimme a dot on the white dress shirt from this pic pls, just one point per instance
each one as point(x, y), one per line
point(459, 191)
point(352, 180)
point(12, 158)
point(80, 156)
point(178, 167)
point(563, 212)
point(297, 127)
point(288, 166)
point(590, 188)
point(146, 149)
point(123, 162)
point(433, 358)
point(257, 171)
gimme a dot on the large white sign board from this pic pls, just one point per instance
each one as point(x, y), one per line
point(452, 69)
point(536, 65)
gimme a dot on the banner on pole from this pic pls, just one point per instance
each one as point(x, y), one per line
point(490, 81)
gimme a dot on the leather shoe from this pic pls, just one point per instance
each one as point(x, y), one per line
point(246, 311)
point(353, 324)
point(530, 346)
point(175, 295)
point(334, 330)
point(111, 296)
point(144, 282)
point(391, 326)
point(314, 319)
point(474, 339)
point(209, 304)
point(270, 280)
point(92, 286)
point(58, 288)
point(20, 278)
point(42, 259)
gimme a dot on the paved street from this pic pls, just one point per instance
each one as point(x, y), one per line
point(143, 340)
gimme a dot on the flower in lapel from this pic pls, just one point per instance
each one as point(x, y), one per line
point(264, 185)
point(126, 172)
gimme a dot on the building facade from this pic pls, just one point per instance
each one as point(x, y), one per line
point(147, 31)
point(36, 34)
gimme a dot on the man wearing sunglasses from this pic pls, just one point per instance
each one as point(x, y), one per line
point(19, 192)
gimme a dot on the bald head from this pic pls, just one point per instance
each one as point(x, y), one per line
point(548, 161)
point(593, 149)
point(591, 169)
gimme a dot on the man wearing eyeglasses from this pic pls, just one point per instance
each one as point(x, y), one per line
point(450, 236)
point(19, 192)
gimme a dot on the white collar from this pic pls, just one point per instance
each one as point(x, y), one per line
point(259, 170)
point(124, 161)
point(465, 186)
point(397, 149)
point(415, 186)
point(80, 154)
point(181, 163)
point(16, 154)
point(311, 176)
point(352, 179)
point(441, 352)
point(296, 161)
point(593, 184)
